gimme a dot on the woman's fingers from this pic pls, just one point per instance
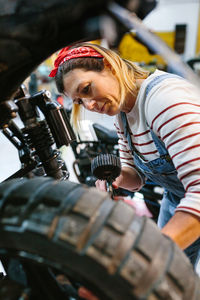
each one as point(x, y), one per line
point(115, 185)
point(101, 185)
point(86, 294)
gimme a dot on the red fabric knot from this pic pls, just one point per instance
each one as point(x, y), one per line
point(67, 54)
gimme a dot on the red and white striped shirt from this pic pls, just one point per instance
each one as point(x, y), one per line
point(172, 110)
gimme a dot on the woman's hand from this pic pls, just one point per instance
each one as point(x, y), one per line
point(129, 179)
point(101, 185)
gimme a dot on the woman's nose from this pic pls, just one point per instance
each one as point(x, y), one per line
point(90, 104)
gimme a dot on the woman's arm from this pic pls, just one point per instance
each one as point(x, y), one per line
point(129, 179)
point(183, 228)
point(173, 113)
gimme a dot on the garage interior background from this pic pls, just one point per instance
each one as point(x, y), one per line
point(175, 21)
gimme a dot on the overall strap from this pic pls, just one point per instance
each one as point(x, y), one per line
point(159, 144)
point(158, 79)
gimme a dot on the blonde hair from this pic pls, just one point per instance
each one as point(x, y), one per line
point(125, 71)
point(75, 117)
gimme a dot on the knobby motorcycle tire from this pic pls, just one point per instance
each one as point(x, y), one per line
point(100, 242)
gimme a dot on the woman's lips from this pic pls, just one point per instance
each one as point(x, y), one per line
point(103, 108)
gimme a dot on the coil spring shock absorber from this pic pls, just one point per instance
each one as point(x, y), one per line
point(39, 138)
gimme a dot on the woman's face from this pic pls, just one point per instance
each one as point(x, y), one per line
point(96, 91)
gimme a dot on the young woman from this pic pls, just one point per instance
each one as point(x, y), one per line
point(158, 123)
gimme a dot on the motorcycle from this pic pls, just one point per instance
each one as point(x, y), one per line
point(99, 140)
point(56, 235)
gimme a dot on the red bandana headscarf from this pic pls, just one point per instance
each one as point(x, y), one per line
point(67, 54)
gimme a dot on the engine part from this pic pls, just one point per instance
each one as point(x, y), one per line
point(106, 167)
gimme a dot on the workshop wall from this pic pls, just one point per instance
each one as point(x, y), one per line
point(169, 13)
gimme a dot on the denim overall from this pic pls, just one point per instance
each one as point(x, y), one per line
point(162, 172)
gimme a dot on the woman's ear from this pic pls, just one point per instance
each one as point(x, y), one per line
point(108, 65)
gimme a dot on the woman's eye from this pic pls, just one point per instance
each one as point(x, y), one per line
point(86, 89)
